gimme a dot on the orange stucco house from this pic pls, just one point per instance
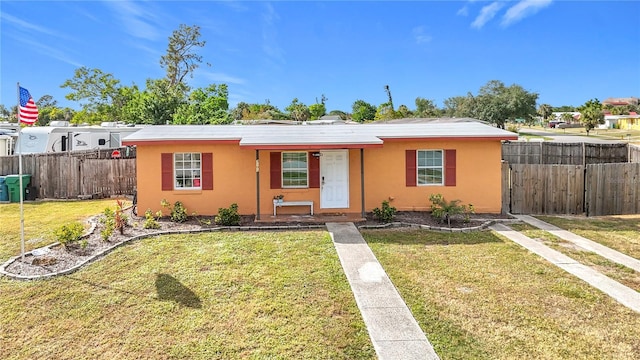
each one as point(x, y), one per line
point(340, 168)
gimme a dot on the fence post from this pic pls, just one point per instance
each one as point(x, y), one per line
point(506, 188)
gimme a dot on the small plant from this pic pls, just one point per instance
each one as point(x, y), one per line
point(113, 220)
point(178, 213)
point(442, 209)
point(228, 217)
point(69, 234)
point(467, 213)
point(109, 224)
point(386, 214)
point(121, 220)
point(150, 221)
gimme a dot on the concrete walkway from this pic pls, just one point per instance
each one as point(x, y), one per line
point(624, 295)
point(584, 243)
point(394, 332)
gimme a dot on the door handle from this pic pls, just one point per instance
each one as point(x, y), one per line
point(323, 180)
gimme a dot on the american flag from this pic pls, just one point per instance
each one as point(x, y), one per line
point(28, 112)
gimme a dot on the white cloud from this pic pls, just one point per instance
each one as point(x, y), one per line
point(420, 36)
point(464, 11)
point(223, 78)
point(28, 26)
point(523, 9)
point(270, 34)
point(52, 52)
point(487, 13)
point(234, 5)
point(136, 19)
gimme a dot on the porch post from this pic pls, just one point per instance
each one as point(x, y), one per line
point(257, 184)
point(362, 179)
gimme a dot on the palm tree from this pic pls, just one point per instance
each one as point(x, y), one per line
point(545, 110)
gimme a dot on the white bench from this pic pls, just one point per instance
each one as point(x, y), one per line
point(277, 204)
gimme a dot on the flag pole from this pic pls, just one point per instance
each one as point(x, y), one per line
point(20, 180)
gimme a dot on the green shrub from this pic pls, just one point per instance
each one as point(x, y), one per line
point(386, 214)
point(442, 209)
point(69, 233)
point(113, 220)
point(178, 213)
point(228, 217)
point(150, 221)
point(108, 224)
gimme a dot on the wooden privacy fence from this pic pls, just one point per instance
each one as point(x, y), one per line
point(69, 175)
point(612, 189)
point(564, 153)
point(596, 189)
point(634, 153)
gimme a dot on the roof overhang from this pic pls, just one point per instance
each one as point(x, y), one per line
point(453, 138)
point(177, 142)
point(310, 142)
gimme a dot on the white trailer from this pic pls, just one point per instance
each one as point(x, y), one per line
point(6, 144)
point(48, 139)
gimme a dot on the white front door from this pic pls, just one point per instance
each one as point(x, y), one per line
point(334, 179)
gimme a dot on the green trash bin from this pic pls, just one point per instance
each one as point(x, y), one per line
point(4, 191)
point(13, 183)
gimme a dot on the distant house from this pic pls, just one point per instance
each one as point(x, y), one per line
point(626, 122)
point(559, 116)
point(340, 168)
point(621, 101)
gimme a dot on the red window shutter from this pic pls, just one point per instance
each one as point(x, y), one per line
point(314, 171)
point(276, 170)
point(207, 171)
point(411, 168)
point(450, 167)
point(167, 171)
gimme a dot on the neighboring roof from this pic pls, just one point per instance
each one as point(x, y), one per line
point(330, 117)
point(315, 137)
point(430, 120)
point(621, 101)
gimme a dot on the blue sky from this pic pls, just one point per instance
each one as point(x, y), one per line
point(567, 51)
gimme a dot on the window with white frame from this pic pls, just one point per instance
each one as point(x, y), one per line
point(430, 169)
point(188, 170)
point(295, 170)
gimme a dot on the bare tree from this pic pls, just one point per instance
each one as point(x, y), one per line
point(181, 58)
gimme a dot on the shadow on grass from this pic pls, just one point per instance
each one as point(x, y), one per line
point(426, 237)
point(170, 289)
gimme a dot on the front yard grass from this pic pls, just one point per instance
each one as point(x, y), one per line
point(618, 272)
point(477, 296)
point(40, 219)
point(621, 233)
point(225, 295)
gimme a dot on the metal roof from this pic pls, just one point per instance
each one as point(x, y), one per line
point(339, 135)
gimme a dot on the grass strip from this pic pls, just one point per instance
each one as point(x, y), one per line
point(477, 296)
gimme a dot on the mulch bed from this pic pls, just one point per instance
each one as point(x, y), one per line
point(55, 259)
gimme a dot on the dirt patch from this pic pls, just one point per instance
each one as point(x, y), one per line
point(425, 218)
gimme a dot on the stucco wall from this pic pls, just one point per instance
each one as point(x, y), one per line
point(477, 176)
point(234, 179)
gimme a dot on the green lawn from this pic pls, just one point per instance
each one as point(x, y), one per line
point(608, 134)
point(224, 295)
point(621, 233)
point(478, 296)
point(40, 219)
point(620, 273)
